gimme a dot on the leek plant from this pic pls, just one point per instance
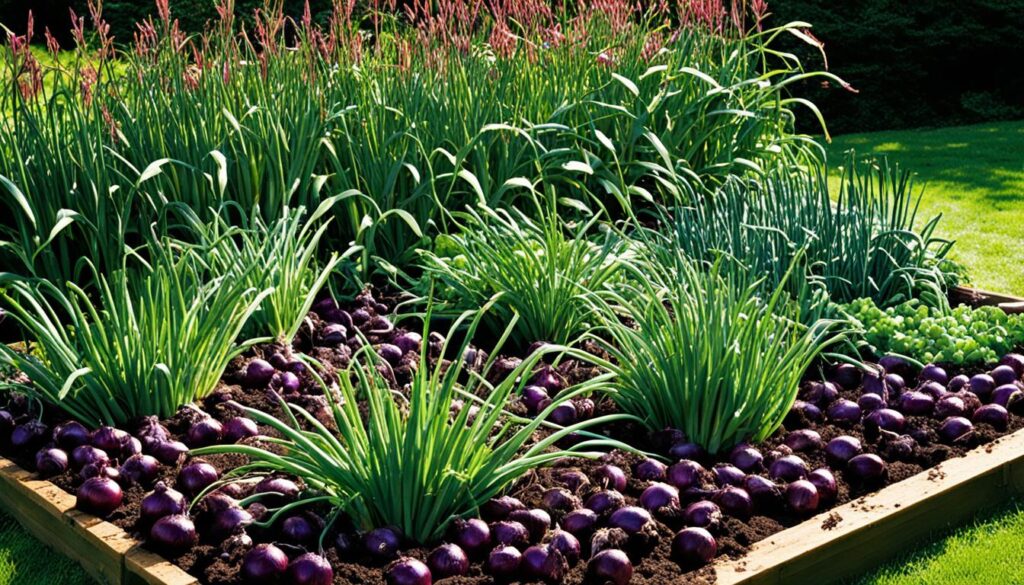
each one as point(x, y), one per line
point(159, 336)
point(700, 349)
point(410, 460)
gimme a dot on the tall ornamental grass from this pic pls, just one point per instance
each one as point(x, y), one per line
point(155, 337)
point(410, 460)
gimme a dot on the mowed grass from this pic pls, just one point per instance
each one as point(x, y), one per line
point(25, 561)
point(974, 177)
point(988, 552)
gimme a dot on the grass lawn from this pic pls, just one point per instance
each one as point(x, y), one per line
point(974, 177)
point(24, 561)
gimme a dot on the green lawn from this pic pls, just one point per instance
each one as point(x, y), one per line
point(974, 177)
point(24, 561)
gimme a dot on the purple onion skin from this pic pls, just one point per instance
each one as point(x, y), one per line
point(687, 451)
point(510, 533)
point(567, 544)
point(1007, 394)
point(893, 364)
point(264, 564)
point(659, 495)
point(895, 382)
point(447, 560)
point(825, 482)
point(574, 479)
point(876, 384)
point(954, 428)
point(869, 403)
point(504, 561)
point(196, 477)
point(382, 543)
point(820, 393)
point(409, 341)
point(580, 522)
point(239, 428)
point(536, 521)
point(278, 491)
point(70, 435)
point(30, 436)
point(703, 514)
point(6, 426)
point(499, 508)
point(842, 449)
point(1004, 375)
point(532, 398)
point(982, 385)
point(992, 414)
point(564, 414)
point(934, 373)
point(390, 353)
point(407, 571)
point(258, 374)
point(173, 535)
point(610, 567)
point(917, 403)
point(746, 458)
point(950, 405)
point(205, 433)
point(694, 547)
point(650, 470)
point(286, 383)
point(847, 375)
point(99, 496)
point(728, 475)
point(51, 462)
point(866, 467)
point(333, 334)
point(788, 468)
point(170, 452)
point(807, 410)
point(686, 473)
point(802, 497)
point(473, 535)
point(611, 477)
point(958, 383)
point(631, 519)
point(298, 530)
point(544, 562)
point(140, 469)
point(844, 412)
point(933, 389)
point(605, 501)
point(1015, 361)
point(886, 419)
point(735, 502)
point(804, 440)
point(232, 520)
point(761, 489)
point(310, 569)
point(162, 501)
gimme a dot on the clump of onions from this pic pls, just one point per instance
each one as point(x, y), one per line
point(70, 435)
point(659, 495)
point(170, 452)
point(610, 567)
point(728, 475)
point(992, 414)
point(559, 500)
point(140, 469)
point(788, 468)
point(605, 501)
point(52, 461)
point(382, 543)
point(630, 519)
point(746, 458)
point(842, 449)
point(205, 432)
point(825, 482)
point(580, 522)
point(447, 560)
point(162, 501)
point(99, 496)
point(258, 374)
point(239, 428)
point(30, 436)
point(264, 564)
point(611, 477)
point(917, 403)
point(866, 467)
point(407, 571)
point(650, 470)
point(536, 521)
point(735, 502)
point(803, 440)
point(499, 508)
point(703, 514)
point(504, 561)
point(802, 497)
point(473, 535)
point(173, 535)
point(955, 428)
point(544, 562)
point(694, 547)
point(310, 569)
point(197, 476)
point(686, 473)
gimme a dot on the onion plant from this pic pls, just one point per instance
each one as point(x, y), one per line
point(700, 349)
point(412, 460)
point(156, 337)
point(543, 271)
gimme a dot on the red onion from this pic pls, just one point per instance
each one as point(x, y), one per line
point(499, 508)
point(310, 569)
point(1014, 361)
point(934, 373)
point(548, 379)
point(504, 561)
point(559, 500)
point(932, 389)
point(533, 396)
point(802, 497)
point(844, 412)
point(473, 535)
point(605, 501)
point(917, 403)
point(170, 452)
point(257, 374)
point(825, 482)
point(820, 393)
point(544, 562)
point(574, 479)
point(239, 428)
point(264, 564)
point(162, 501)
point(232, 520)
point(806, 410)
point(803, 440)
point(650, 470)
point(659, 495)
point(140, 469)
point(694, 547)
point(1003, 375)
point(842, 449)
point(611, 477)
point(50, 462)
point(630, 519)
point(992, 414)
point(866, 466)
point(761, 489)
point(728, 475)
point(298, 530)
point(173, 535)
point(950, 405)
point(584, 408)
point(390, 353)
point(895, 382)
point(564, 414)
point(196, 477)
point(99, 496)
point(536, 521)
point(685, 474)
point(333, 334)
point(30, 436)
point(788, 468)
point(1007, 394)
point(382, 543)
point(746, 458)
point(407, 571)
point(6, 426)
point(207, 431)
point(286, 383)
point(409, 341)
point(447, 560)
point(982, 385)
point(735, 502)
point(567, 544)
point(109, 439)
point(876, 384)
point(847, 375)
point(958, 383)
point(510, 533)
point(886, 419)
point(894, 364)
point(277, 491)
point(132, 447)
point(580, 522)
point(687, 451)
point(955, 428)
point(99, 470)
point(70, 435)
point(703, 514)
point(610, 567)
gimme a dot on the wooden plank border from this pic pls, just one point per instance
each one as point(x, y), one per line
point(977, 297)
point(837, 544)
